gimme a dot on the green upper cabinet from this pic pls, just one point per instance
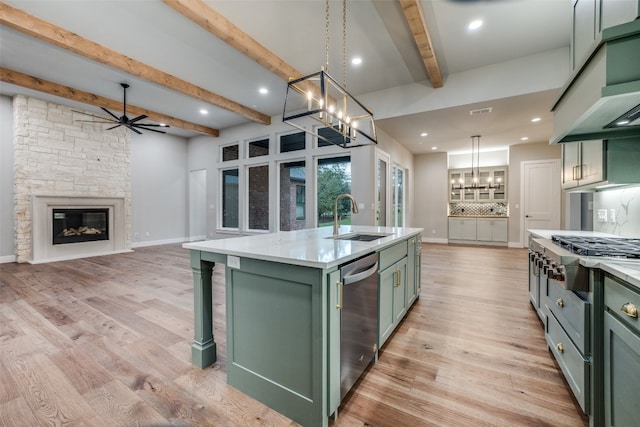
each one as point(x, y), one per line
point(590, 17)
point(594, 165)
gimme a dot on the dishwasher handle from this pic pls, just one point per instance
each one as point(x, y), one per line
point(351, 278)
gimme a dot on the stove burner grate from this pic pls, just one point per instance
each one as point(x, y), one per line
point(614, 247)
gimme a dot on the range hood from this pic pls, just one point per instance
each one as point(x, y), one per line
point(602, 98)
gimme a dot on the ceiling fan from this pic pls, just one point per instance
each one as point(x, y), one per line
point(133, 124)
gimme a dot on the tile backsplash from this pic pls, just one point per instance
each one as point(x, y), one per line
point(478, 209)
point(617, 212)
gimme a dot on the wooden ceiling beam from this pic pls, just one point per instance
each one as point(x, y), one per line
point(413, 13)
point(30, 82)
point(47, 32)
point(213, 22)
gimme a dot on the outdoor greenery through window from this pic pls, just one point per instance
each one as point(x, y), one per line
point(334, 178)
point(230, 198)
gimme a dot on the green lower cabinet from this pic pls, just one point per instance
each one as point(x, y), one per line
point(621, 354)
point(413, 269)
point(392, 299)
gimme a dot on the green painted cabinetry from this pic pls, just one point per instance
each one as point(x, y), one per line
point(621, 353)
point(392, 289)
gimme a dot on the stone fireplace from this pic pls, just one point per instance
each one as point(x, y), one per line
point(61, 168)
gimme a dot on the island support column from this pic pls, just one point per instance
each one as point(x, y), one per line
point(203, 349)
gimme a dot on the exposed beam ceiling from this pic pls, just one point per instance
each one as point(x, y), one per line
point(47, 32)
point(415, 19)
point(200, 13)
point(30, 82)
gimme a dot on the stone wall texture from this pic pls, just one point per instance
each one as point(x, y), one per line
point(55, 155)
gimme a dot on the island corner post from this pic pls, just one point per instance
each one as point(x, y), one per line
point(203, 348)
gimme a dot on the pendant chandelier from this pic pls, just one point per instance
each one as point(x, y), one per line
point(475, 183)
point(319, 105)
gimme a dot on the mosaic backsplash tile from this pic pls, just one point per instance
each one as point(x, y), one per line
point(478, 209)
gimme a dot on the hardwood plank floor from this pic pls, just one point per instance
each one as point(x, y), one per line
point(105, 341)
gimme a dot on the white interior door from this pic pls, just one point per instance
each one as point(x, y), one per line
point(198, 205)
point(540, 195)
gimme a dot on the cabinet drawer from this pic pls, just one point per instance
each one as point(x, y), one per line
point(391, 255)
point(617, 296)
point(574, 367)
point(572, 312)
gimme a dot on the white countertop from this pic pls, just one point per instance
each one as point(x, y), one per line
point(627, 270)
point(309, 247)
point(546, 234)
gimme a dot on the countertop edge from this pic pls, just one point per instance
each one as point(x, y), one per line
point(261, 247)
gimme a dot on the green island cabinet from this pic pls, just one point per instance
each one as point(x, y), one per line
point(283, 321)
point(621, 353)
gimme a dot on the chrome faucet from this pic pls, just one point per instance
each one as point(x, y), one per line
point(354, 209)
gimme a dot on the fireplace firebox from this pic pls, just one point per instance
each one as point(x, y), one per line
point(75, 225)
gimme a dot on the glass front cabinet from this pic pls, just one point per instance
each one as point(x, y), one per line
point(491, 185)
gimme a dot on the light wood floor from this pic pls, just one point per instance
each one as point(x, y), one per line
point(105, 341)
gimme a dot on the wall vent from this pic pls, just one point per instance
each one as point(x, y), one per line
point(480, 111)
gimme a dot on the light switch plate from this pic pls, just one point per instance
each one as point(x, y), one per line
point(602, 215)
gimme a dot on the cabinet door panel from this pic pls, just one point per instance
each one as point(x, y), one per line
point(485, 230)
point(399, 291)
point(618, 12)
point(570, 163)
point(500, 230)
point(469, 229)
point(584, 29)
point(622, 374)
point(592, 162)
point(385, 301)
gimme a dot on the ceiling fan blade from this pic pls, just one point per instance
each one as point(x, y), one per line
point(134, 129)
point(113, 127)
point(149, 129)
point(111, 114)
point(94, 121)
point(152, 124)
point(140, 117)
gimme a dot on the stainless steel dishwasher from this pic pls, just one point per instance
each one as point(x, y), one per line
point(358, 319)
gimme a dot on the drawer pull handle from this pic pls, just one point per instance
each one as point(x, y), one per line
point(630, 310)
point(340, 286)
point(560, 348)
point(560, 302)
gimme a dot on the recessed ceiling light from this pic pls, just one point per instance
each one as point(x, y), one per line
point(163, 124)
point(434, 148)
point(524, 138)
point(356, 61)
point(424, 134)
point(474, 25)
point(203, 111)
point(263, 90)
point(623, 122)
point(536, 119)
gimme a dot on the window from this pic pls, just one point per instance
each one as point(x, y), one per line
point(334, 178)
point(334, 138)
point(258, 179)
point(397, 182)
point(230, 152)
point(292, 184)
point(300, 202)
point(259, 148)
point(230, 198)
point(292, 142)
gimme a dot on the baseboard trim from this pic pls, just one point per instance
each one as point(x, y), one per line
point(7, 259)
point(159, 242)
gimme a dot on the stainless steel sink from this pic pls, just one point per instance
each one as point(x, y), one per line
point(360, 237)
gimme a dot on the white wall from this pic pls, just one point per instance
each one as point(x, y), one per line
point(431, 196)
point(7, 252)
point(625, 203)
point(159, 188)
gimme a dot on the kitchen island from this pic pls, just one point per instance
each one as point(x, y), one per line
point(282, 293)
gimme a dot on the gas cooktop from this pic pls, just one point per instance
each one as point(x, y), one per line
point(614, 247)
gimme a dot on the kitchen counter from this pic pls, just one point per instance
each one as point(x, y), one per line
point(283, 303)
point(310, 247)
point(627, 270)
